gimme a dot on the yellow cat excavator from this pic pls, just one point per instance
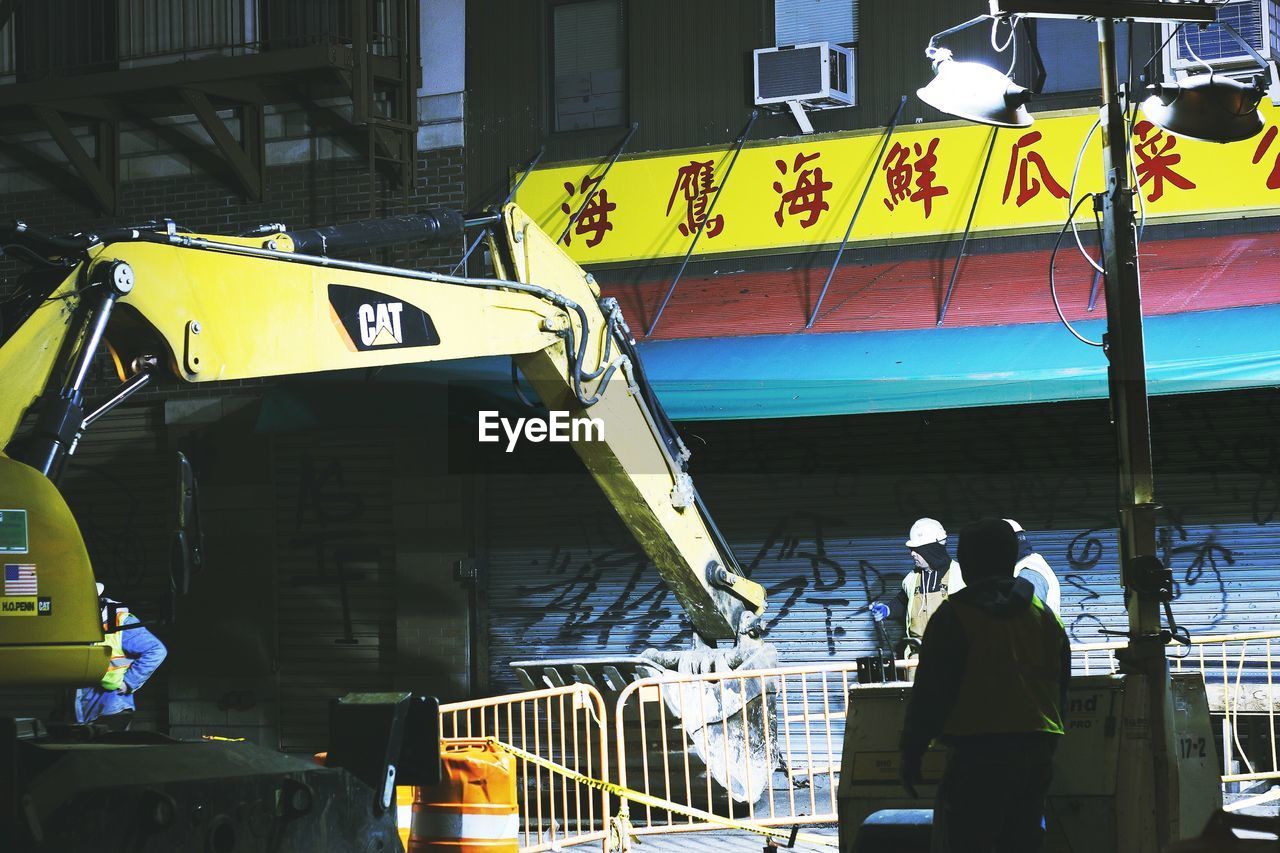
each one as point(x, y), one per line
point(204, 308)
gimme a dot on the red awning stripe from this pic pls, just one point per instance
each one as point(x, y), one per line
point(1194, 274)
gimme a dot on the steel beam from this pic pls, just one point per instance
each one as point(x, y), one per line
point(1147, 11)
point(61, 179)
point(274, 66)
point(245, 172)
point(97, 175)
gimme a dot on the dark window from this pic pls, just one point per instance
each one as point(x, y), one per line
point(588, 61)
point(805, 21)
point(64, 37)
point(1069, 50)
point(292, 23)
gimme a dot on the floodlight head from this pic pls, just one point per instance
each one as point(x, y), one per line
point(973, 91)
point(1208, 107)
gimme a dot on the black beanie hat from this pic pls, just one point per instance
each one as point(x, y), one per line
point(987, 549)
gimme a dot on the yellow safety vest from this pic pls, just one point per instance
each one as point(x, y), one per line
point(120, 663)
point(1011, 673)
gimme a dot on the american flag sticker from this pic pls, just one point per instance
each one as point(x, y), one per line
point(19, 579)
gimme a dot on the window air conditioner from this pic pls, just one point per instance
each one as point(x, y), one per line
point(819, 75)
point(1256, 20)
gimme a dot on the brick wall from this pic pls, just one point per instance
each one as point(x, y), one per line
point(319, 191)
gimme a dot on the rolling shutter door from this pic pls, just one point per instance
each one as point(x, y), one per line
point(335, 566)
point(819, 508)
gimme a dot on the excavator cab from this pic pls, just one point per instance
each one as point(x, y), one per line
point(50, 627)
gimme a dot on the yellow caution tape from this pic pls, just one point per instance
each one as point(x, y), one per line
point(785, 835)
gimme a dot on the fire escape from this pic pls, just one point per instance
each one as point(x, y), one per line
point(78, 69)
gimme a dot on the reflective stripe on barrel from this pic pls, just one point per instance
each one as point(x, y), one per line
point(404, 813)
point(474, 806)
point(478, 827)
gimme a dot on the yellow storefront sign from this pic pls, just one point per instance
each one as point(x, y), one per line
point(789, 195)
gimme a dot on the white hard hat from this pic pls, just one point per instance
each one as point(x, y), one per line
point(1017, 528)
point(101, 589)
point(925, 531)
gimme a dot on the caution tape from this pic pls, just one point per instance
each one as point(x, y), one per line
point(788, 836)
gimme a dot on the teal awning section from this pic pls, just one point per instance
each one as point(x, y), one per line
point(810, 375)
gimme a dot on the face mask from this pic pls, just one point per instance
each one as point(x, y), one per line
point(936, 555)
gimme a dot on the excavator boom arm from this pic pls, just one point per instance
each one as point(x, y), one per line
point(215, 308)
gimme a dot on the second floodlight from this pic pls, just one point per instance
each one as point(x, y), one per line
point(1208, 107)
point(973, 91)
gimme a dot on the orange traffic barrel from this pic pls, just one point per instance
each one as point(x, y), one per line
point(404, 812)
point(474, 806)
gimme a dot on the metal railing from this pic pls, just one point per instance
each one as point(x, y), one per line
point(133, 33)
point(1240, 675)
point(564, 725)
point(764, 746)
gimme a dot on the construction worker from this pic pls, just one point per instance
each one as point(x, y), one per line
point(991, 686)
point(1034, 568)
point(135, 655)
point(934, 577)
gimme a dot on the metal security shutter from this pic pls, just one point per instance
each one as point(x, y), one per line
point(818, 510)
point(804, 21)
point(588, 56)
point(335, 566)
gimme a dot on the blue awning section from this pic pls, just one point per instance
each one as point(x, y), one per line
point(779, 376)
point(809, 375)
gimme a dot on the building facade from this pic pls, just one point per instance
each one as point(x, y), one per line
point(357, 541)
point(927, 373)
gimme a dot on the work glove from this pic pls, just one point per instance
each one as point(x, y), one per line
point(910, 773)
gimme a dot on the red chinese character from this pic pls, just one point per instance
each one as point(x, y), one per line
point(1020, 162)
point(900, 175)
point(594, 218)
point(806, 197)
point(696, 182)
point(1264, 144)
point(1156, 161)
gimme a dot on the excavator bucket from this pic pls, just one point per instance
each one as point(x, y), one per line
point(722, 734)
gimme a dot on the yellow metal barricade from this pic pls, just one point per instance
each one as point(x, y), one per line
point(564, 726)
point(788, 727)
point(761, 747)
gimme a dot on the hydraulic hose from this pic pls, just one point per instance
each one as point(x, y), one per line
point(438, 224)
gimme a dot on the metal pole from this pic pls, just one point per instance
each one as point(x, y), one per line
point(1146, 724)
point(527, 171)
point(703, 224)
point(968, 226)
point(622, 146)
point(884, 143)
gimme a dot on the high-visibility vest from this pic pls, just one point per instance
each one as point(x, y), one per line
point(920, 604)
point(1011, 673)
point(114, 678)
